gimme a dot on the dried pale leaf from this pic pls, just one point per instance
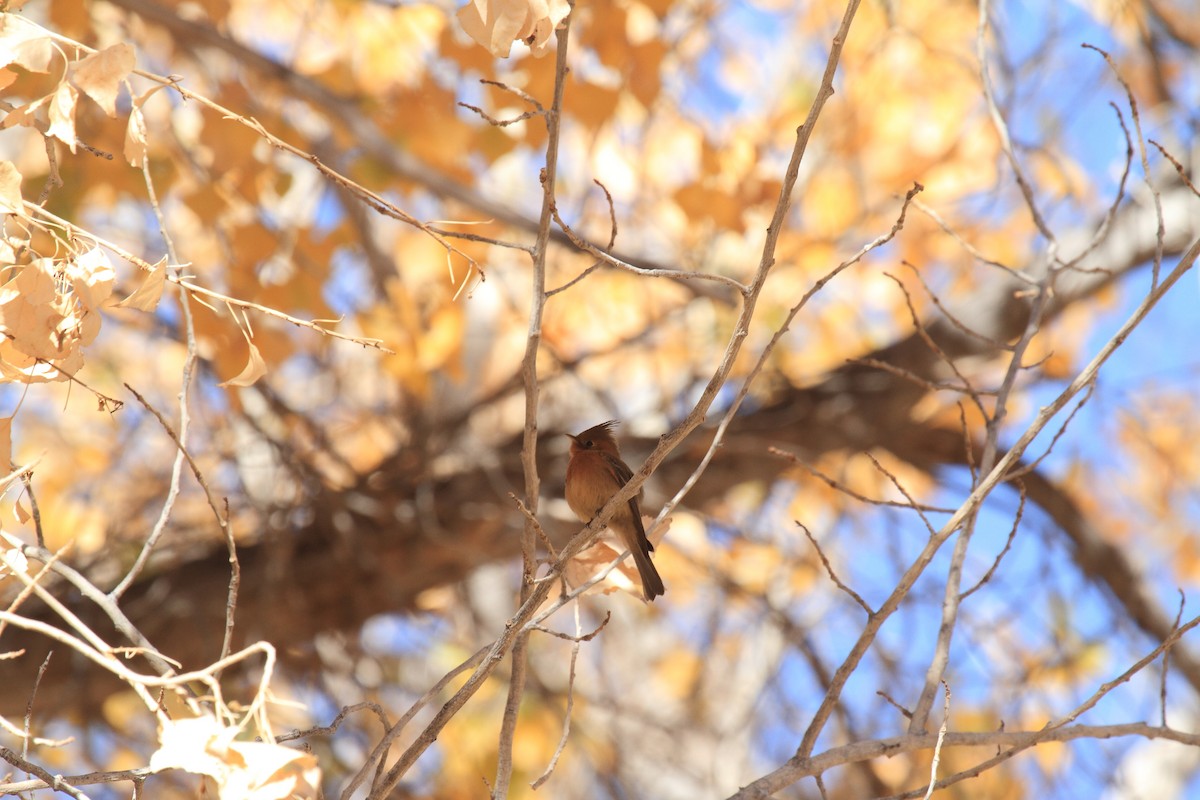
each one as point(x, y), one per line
point(24, 43)
point(241, 770)
point(26, 114)
point(135, 131)
point(100, 75)
point(29, 315)
point(592, 560)
point(146, 296)
point(5, 446)
point(496, 24)
point(193, 745)
point(20, 512)
point(62, 114)
point(19, 367)
point(255, 368)
point(271, 772)
point(14, 561)
point(10, 190)
point(135, 137)
point(91, 275)
point(35, 283)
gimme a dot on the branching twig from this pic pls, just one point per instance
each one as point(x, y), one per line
point(783, 777)
point(665, 446)
point(833, 575)
point(529, 374)
point(838, 486)
point(1012, 534)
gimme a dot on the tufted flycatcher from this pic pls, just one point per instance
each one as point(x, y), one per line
point(594, 474)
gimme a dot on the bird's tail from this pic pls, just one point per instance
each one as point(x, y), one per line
point(652, 585)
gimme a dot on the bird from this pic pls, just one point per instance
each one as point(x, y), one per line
point(595, 472)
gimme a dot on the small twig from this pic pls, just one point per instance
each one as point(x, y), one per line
point(222, 523)
point(566, 731)
point(1028, 468)
point(38, 741)
point(833, 575)
point(1161, 233)
point(380, 751)
point(925, 383)
point(315, 325)
point(475, 237)
point(106, 604)
point(537, 526)
point(903, 711)
point(332, 727)
point(1001, 127)
point(1178, 167)
point(235, 581)
point(911, 502)
point(1166, 656)
point(937, 749)
point(556, 290)
point(501, 123)
point(992, 344)
point(189, 363)
point(1020, 275)
point(37, 681)
point(34, 513)
point(612, 214)
point(56, 782)
point(1012, 533)
point(612, 261)
point(576, 637)
point(968, 445)
point(838, 486)
point(969, 389)
point(538, 109)
point(1105, 224)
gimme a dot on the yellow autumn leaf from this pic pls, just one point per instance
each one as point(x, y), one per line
point(135, 137)
point(100, 75)
point(255, 368)
point(147, 295)
point(91, 275)
point(135, 131)
point(496, 24)
point(62, 115)
point(240, 770)
point(10, 190)
point(24, 43)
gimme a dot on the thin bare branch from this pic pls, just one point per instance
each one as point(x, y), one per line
point(833, 575)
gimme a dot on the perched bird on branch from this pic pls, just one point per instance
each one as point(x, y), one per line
point(594, 474)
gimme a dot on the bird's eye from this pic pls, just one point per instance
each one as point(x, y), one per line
point(588, 443)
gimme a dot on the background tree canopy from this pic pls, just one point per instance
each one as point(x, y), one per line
point(892, 298)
